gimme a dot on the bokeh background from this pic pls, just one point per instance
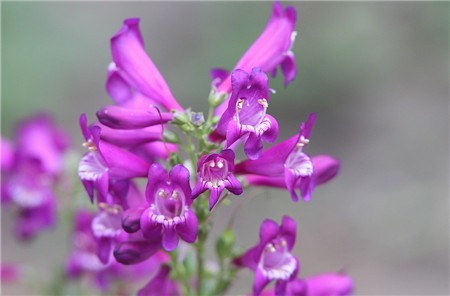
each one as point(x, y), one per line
point(376, 74)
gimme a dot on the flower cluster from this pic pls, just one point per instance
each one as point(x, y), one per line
point(31, 167)
point(160, 224)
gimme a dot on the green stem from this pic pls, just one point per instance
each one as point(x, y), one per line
point(200, 266)
point(191, 149)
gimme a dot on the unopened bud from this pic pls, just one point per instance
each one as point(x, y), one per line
point(225, 243)
point(171, 137)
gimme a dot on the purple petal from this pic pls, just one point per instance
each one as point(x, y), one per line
point(256, 180)
point(132, 218)
point(7, 154)
point(271, 47)
point(271, 162)
point(325, 168)
point(280, 288)
point(116, 86)
point(138, 69)
point(123, 164)
point(104, 249)
point(161, 284)
point(233, 185)
point(288, 68)
point(188, 230)
point(199, 188)
point(129, 138)
point(214, 196)
point(288, 231)
point(150, 229)
point(156, 175)
point(250, 258)
point(180, 175)
point(218, 76)
point(297, 287)
point(271, 134)
point(132, 252)
point(253, 146)
point(329, 284)
point(126, 118)
point(290, 179)
point(268, 231)
point(260, 282)
point(306, 187)
point(169, 239)
point(234, 132)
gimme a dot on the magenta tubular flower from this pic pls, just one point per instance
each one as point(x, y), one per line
point(168, 213)
point(286, 161)
point(160, 285)
point(39, 139)
point(272, 48)
point(271, 258)
point(214, 173)
point(137, 69)
point(328, 284)
point(30, 168)
point(10, 273)
point(89, 232)
point(246, 113)
point(105, 162)
point(118, 117)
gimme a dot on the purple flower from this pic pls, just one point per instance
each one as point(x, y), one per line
point(89, 232)
point(10, 273)
point(328, 284)
point(272, 48)
point(160, 285)
point(286, 162)
point(105, 162)
point(271, 259)
point(214, 173)
point(135, 68)
point(30, 169)
point(168, 213)
point(246, 113)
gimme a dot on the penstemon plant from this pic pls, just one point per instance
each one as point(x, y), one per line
point(158, 173)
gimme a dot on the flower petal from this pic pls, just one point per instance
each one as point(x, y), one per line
point(132, 252)
point(127, 118)
point(180, 175)
point(137, 68)
point(325, 168)
point(260, 282)
point(288, 231)
point(188, 230)
point(169, 239)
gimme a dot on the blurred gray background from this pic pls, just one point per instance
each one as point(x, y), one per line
point(376, 75)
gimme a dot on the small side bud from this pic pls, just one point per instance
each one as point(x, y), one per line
point(215, 99)
point(224, 243)
point(171, 137)
point(197, 119)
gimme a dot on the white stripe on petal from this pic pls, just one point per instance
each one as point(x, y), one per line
point(91, 167)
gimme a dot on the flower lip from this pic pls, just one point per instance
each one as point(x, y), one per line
point(276, 262)
point(215, 170)
point(170, 204)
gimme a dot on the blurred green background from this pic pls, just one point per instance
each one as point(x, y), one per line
point(376, 74)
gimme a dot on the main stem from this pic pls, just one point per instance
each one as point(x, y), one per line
point(200, 266)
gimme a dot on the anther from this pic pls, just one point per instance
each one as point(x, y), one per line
point(263, 102)
point(220, 164)
point(90, 146)
point(239, 104)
